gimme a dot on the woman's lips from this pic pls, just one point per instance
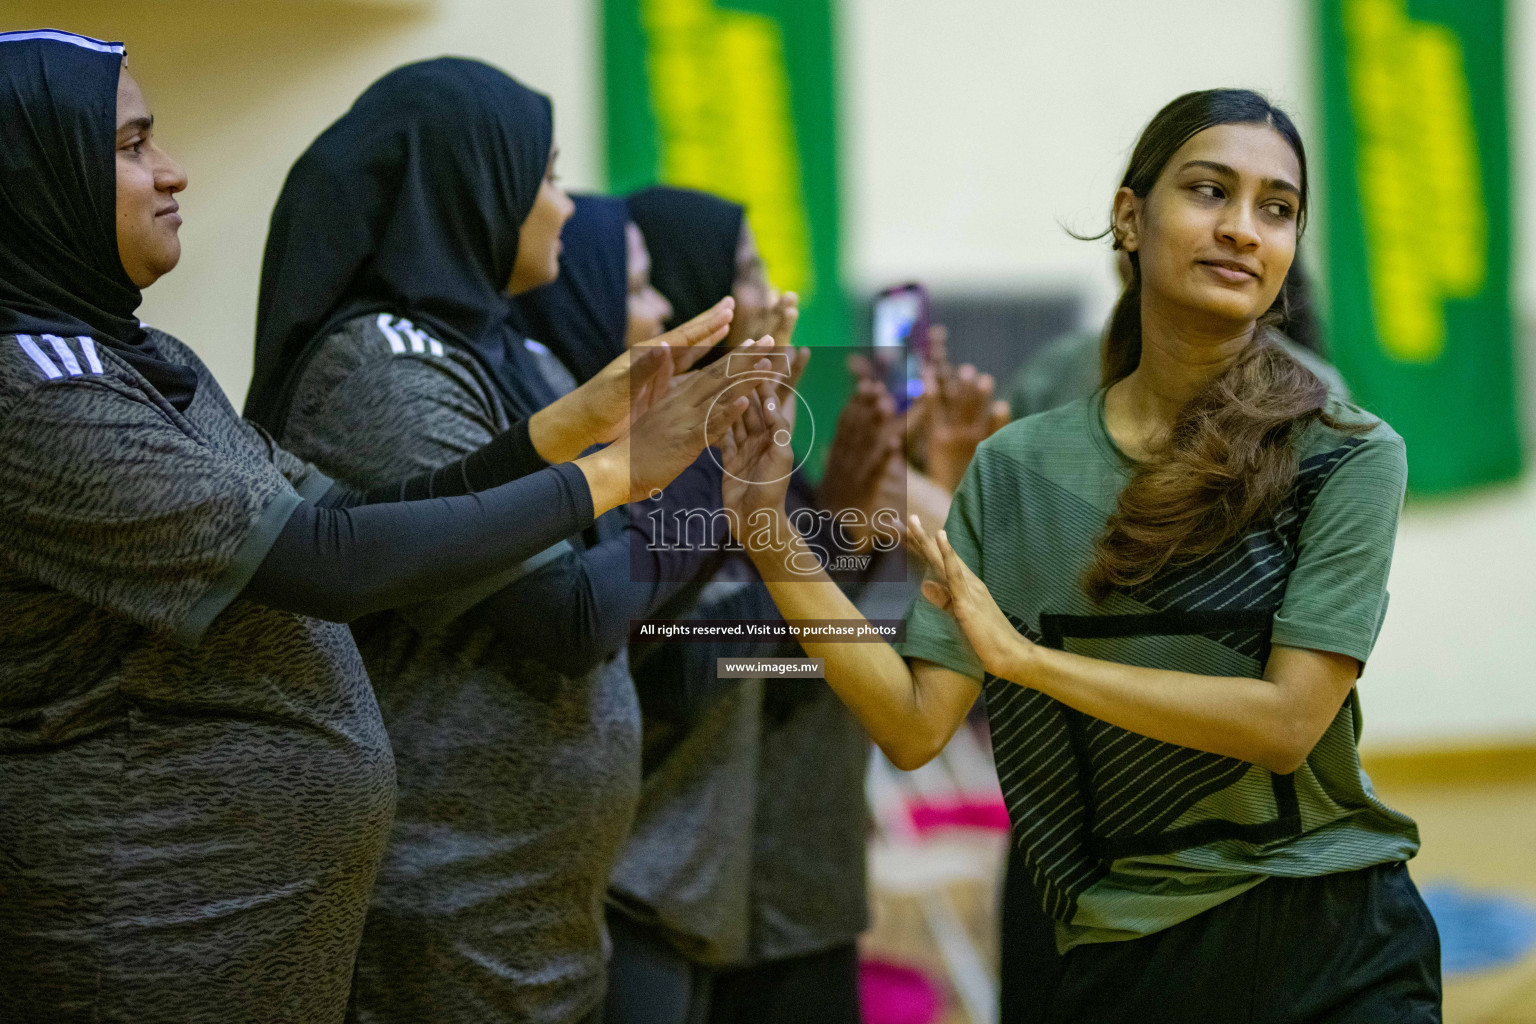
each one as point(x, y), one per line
point(1231, 273)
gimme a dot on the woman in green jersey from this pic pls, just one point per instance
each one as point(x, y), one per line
point(1166, 593)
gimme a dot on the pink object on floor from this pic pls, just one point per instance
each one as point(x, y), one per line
point(892, 994)
point(987, 813)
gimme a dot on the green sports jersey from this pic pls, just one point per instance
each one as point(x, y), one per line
point(1124, 835)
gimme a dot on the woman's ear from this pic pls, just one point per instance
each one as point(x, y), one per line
point(1125, 221)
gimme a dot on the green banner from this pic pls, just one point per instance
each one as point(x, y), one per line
point(1418, 228)
point(740, 99)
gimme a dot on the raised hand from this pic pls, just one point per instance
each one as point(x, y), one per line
point(765, 458)
point(782, 317)
point(961, 416)
point(696, 411)
point(742, 449)
point(1003, 650)
point(866, 444)
point(610, 403)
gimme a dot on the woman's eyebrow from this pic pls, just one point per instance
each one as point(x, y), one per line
point(138, 124)
point(1278, 184)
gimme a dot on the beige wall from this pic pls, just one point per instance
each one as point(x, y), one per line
point(973, 130)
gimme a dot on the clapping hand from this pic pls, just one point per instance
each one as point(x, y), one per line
point(622, 391)
point(1004, 652)
point(697, 410)
point(758, 457)
point(865, 446)
point(955, 412)
point(961, 416)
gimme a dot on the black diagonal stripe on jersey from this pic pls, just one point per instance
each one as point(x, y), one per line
point(1204, 583)
point(1138, 786)
point(1069, 815)
point(1287, 822)
point(1198, 778)
point(1147, 778)
point(1045, 791)
point(1176, 781)
point(1264, 556)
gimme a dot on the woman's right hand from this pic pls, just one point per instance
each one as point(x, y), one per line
point(761, 459)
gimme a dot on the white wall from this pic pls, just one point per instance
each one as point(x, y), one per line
point(1456, 655)
point(973, 130)
point(978, 129)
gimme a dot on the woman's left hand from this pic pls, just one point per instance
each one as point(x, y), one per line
point(629, 385)
point(1003, 650)
point(605, 407)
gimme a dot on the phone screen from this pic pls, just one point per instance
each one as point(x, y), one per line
point(901, 341)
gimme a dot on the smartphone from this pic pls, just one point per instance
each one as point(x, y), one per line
point(900, 323)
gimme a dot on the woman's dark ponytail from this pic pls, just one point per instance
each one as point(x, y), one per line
point(1121, 350)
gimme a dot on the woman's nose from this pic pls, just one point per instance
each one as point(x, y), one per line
point(1237, 227)
point(170, 176)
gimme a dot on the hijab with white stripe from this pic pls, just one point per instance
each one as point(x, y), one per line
point(410, 204)
point(60, 273)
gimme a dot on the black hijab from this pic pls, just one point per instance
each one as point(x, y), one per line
point(583, 316)
point(410, 204)
point(60, 272)
point(693, 238)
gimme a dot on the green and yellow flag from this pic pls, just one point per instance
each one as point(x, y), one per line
point(1418, 229)
point(740, 99)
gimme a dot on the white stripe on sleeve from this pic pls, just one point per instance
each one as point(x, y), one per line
point(89, 348)
point(396, 344)
point(43, 362)
point(53, 35)
point(65, 353)
point(418, 340)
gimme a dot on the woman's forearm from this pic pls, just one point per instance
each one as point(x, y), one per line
point(341, 563)
point(908, 720)
point(1273, 722)
point(1254, 720)
point(564, 429)
point(927, 500)
point(607, 473)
